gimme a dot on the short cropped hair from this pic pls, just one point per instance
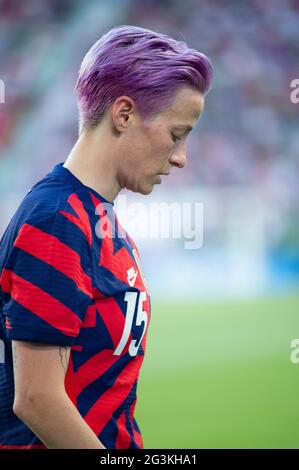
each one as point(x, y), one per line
point(145, 65)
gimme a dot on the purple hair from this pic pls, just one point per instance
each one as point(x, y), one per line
point(140, 63)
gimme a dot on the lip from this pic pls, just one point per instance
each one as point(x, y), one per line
point(159, 176)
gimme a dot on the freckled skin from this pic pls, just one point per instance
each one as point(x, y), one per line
point(148, 147)
point(126, 151)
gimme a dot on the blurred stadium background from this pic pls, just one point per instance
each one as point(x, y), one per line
point(218, 371)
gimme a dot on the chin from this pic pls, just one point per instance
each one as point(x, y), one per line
point(145, 190)
point(144, 186)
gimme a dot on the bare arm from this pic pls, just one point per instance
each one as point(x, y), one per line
point(41, 400)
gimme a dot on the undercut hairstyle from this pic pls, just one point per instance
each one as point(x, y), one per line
point(147, 66)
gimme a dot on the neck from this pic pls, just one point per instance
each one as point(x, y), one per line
point(95, 169)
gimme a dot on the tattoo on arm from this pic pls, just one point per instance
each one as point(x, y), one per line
point(63, 352)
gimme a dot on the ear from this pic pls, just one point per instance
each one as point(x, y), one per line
point(122, 110)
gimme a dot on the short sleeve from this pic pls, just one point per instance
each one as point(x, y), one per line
point(46, 282)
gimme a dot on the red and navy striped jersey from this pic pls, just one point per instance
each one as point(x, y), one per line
point(70, 275)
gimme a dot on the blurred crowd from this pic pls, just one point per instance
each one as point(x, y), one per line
point(248, 136)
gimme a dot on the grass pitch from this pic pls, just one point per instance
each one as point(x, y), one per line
point(219, 375)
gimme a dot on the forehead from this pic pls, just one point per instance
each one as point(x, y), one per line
point(186, 106)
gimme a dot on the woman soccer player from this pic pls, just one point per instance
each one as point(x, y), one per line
point(75, 307)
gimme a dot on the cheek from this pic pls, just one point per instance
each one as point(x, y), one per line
point(164, 153)
point(153, 147)
point(162, 146)
point(158, 156)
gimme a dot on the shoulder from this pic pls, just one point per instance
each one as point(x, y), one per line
point(52, 201)
point(47, 219)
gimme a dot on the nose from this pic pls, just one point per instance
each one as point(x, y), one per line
point(179, 157)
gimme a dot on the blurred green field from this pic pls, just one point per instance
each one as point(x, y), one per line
point(219, 375)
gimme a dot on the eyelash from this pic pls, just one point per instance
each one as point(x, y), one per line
point(175, 139)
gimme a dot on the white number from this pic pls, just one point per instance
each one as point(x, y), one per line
point(131, 299)
point(141, 317)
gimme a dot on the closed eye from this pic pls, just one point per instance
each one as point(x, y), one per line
point(175, 138)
